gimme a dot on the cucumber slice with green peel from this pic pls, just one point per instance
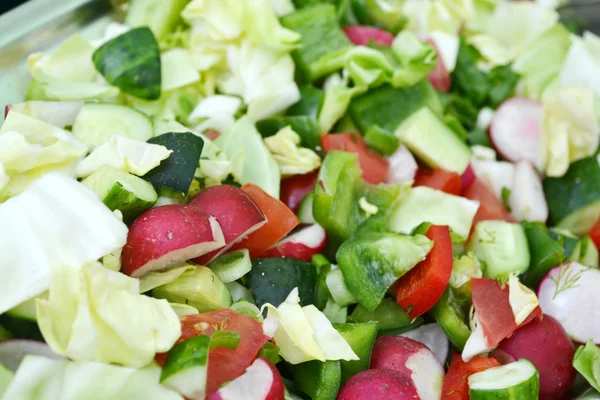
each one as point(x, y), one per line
point(574, 199)
point(515, 381)
point(232, 266)
point(319, 380)
point(161, 16)
point(389, 107)
point(431, 140)
point(305, 210)
point(131, 62)
point(96, 123)
point(502, 247)
point(122, 191)
point(186, 367)
point(323, 45)
point(176, 172)
point(361, 337)
point(199, 288)
point(337, 287)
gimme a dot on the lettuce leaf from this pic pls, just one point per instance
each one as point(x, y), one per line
point(291, 158)
point(71, 61)
point(541, 61)
point(3, 177)
point(587, 363)
point(42, 378)
point(61, 221)
point(338, 95)
point(582, 65)
point(95, 314)
point(243, 143)
point(128, 155)
point(442, 15)
point(569, 128)
point(177, 69)
point(416, 59)
point(215, 112)
point(304, 333)
point(263, 78)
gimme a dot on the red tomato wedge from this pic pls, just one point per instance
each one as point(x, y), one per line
point(280, 221)
point(492, 306)
point(439, 179)
point(224, 364)
point(595, 234)
point(422, 286)
point(374, 167)
point(295, 188)
point(456, 381)
point(362, 35)
point(491, 207)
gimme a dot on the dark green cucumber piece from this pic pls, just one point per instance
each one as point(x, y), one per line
point(546, 252)
point(161, 16)
point(272, 279)
point(387, 107)
point(305, 126)
point(177, 171)
point(574, 199)
point(186, 367)
point(311, 100)
point(372, 263)
point(323, 45)
point(451, 316)
point(319, 380)
point(388, 314)
point(361, 337)
point(381, 140)
point(131, 62)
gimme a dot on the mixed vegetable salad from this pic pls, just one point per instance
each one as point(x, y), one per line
point(304, 199)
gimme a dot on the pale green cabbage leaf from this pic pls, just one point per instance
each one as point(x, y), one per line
point(289, 155)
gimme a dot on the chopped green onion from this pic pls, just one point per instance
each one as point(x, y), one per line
point(270, 352)
point(224, 339)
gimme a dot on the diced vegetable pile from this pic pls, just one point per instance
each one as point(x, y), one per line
point(305, 199)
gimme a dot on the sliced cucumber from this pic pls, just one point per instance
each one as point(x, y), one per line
point(96, 123)
point(131, 62)
point(323, 45)
point(431, 140)
point(515, 381)
point(122, 191)
point(232, 266)
point(574, 199)
point(186, 367)
point(176, 172)
point(337, 287)
point(502, 247)
point(305, 211)
point(162, 16)
point(199, 288)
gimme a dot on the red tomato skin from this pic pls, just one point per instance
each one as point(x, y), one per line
point(374, 167)
point(224, 364)
point(421, 287)
point(280, 221)
point(456, 381)
point(294, 189)
point(439, 179)
point(362, 35)
point(490, 207)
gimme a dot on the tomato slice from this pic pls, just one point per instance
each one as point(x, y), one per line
point(224, 364)
point(491, 303)
point(456, 381)
point(374, 167)
point(439, 179)
point(491, 207)
point(295, 188)
point(422, 286)
point(212, 134)
point(362, 35)
point(595, 234)
point(280, 221)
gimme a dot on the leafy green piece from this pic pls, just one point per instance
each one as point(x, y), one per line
point(467, 79)
point(587, 362)
point(505, 194)
point(132, 63)
point(503, 82)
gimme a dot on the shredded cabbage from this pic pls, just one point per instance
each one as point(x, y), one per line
point(156, 279)
point(304, 333)
point(215, 112)
point(131, 156)
point(95, 314)
point(582, 66)
point(177, 69)
point(291, 158)
point(464, 268)
point(39, 378)
point(71, 61)
point(522, 299)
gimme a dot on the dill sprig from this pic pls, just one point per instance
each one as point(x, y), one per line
point(567, 279)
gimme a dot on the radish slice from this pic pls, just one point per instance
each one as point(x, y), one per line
point(432, 336)
point(439, 77)
point(363, 35)
point(569, 293)
point(527, 200)
point(467, 178)
point(403, 167)
point(515, 131)
point(57, 113)
point(261, 381)
point(301, 245)
point(498, 174)
point(12, 352)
